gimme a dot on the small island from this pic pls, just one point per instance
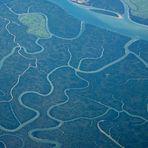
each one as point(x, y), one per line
point(36, 23)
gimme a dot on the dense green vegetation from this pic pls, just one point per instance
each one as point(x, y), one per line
point(36, 24)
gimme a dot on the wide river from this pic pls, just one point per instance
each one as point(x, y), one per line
point(123, 26)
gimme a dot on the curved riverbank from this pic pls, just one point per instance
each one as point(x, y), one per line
point(122, 26)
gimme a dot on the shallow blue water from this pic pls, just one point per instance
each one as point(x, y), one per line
point(122, 26)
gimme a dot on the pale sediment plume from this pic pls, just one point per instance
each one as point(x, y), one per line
point(80, 1)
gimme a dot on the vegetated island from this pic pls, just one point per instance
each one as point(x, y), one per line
point(37, 24)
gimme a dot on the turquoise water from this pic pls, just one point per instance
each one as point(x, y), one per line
point(85, 86)
point(123, 26)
